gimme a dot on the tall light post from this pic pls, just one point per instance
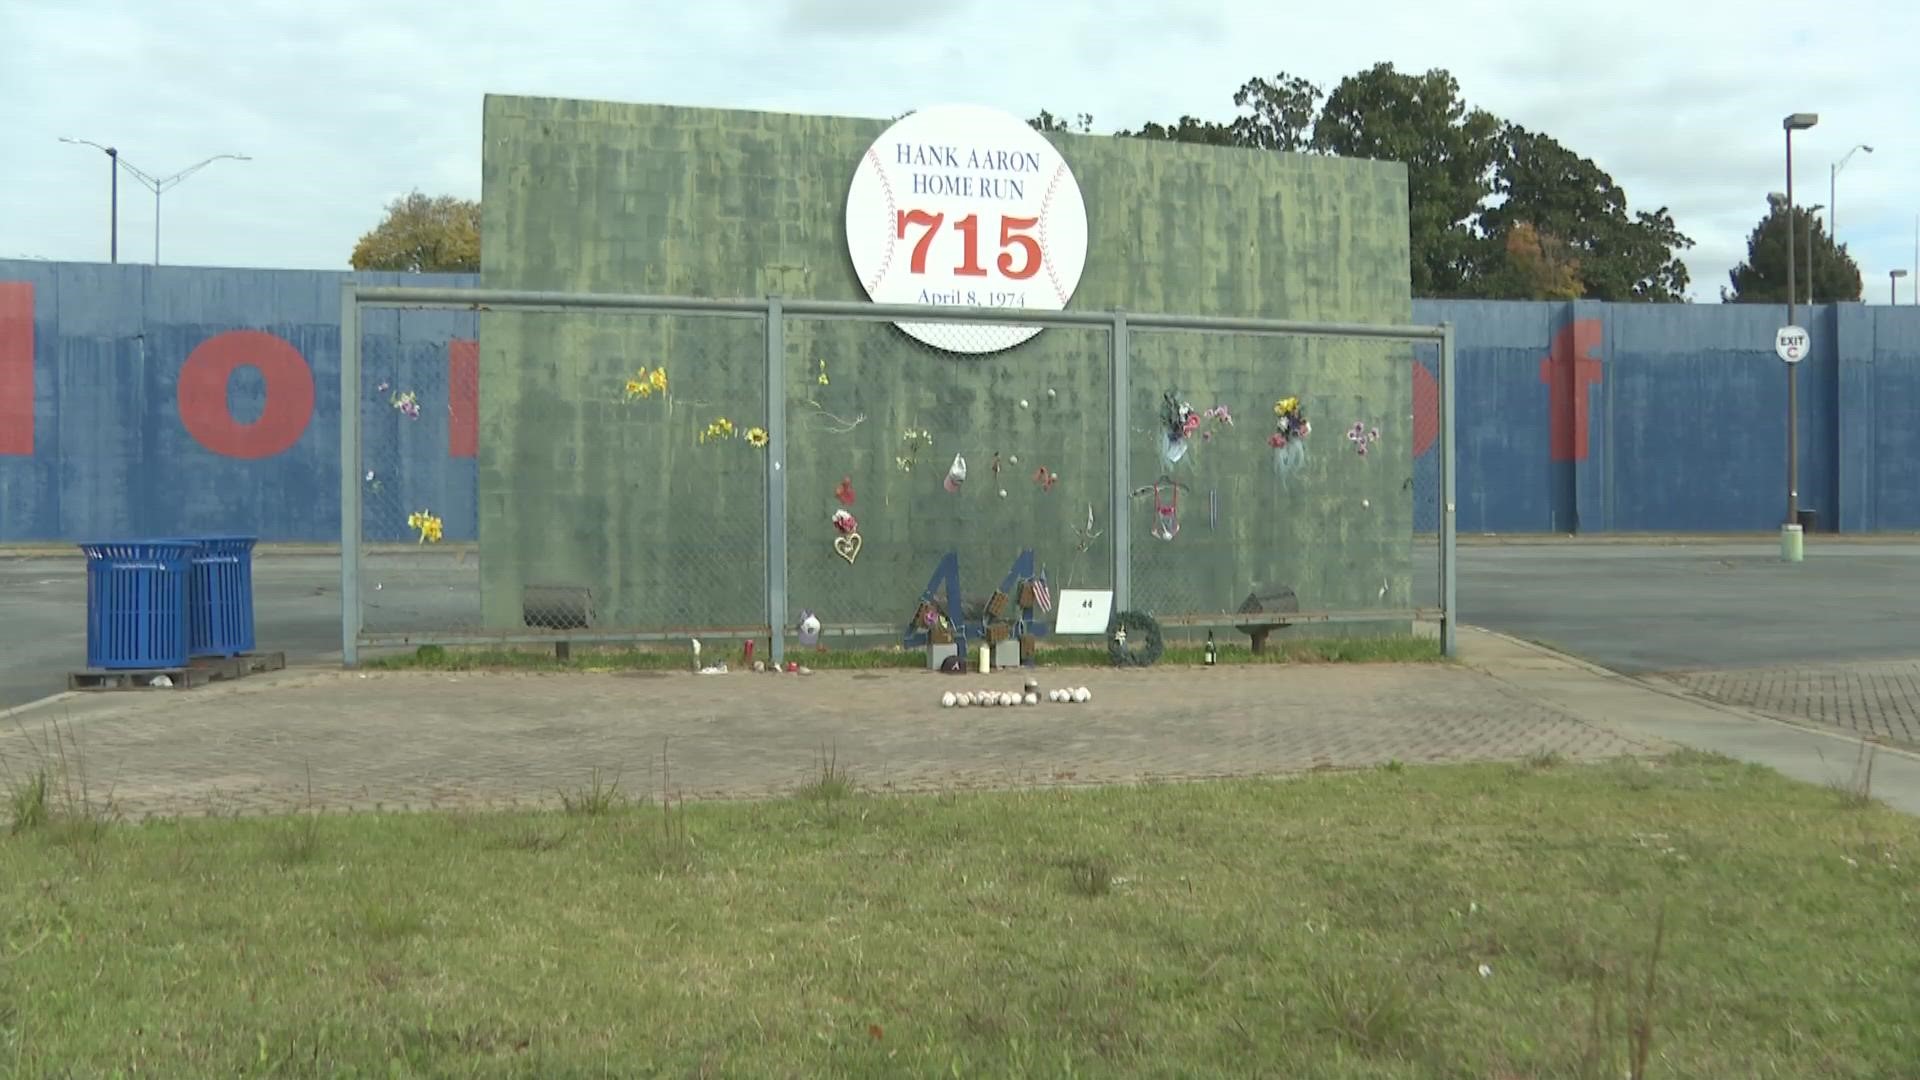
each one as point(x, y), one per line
point(1792, 541)
point(1893, 285)
point(1811, 210)
point(163, 184)
point(1833, 194)
point(113, 200)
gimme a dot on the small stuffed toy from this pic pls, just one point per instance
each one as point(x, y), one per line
point(809, 628)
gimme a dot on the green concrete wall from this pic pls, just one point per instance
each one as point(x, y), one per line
point(578, 486)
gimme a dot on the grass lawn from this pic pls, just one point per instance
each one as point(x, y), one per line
point(1492, 922)
point(1393, 649)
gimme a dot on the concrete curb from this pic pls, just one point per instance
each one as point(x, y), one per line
point(41, 703)
point(1679, 694)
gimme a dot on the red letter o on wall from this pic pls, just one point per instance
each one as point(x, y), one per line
point(203, 394)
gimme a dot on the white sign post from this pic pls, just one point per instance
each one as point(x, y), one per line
point(1790, 343)
point(964, 205)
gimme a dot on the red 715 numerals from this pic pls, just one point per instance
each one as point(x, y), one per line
point(1012, 236)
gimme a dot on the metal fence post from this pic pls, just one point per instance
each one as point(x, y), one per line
point(1122, 478)
point(1449, 616)
point(349, 474)
point(776, 481)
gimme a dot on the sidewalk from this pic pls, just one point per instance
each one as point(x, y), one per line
point(412, 739)
point(1647, 709)
point(335, 740)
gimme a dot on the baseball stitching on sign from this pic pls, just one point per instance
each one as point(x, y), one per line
point(886, 259)
point(1046, 248)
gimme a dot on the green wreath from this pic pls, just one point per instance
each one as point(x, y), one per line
point(1143, 645)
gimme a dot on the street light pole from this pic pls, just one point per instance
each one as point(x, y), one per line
point(1811, 211)
point(1792, 541)
point(1833, 194)
point(113, 198)
point(163, 184)
point(1893, 285)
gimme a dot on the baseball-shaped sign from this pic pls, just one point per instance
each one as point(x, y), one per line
point(964, 205)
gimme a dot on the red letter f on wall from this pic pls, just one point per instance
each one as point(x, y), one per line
point(1569, 370)
point(16, 368)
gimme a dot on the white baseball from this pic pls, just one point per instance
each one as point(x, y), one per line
point(947, 699)
point(1082, 695)
point(1032, 698)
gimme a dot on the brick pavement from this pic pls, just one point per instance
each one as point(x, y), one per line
point(1879, 699)
point(435, 739)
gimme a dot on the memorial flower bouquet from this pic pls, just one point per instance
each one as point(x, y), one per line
point(1289, 438)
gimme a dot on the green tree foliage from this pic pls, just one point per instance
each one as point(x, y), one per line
point(1762, 278)
point(423, 235)
point(1568, 198)
point(1276, 113)
point(1046, 121)
point(1449, 152)
point(1581, 239)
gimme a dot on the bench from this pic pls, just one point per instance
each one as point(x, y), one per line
point(1275, 601)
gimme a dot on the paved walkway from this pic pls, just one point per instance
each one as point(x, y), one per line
point(422, 740)
point(1655, 708)
point(1876, 699)
point(332, 739)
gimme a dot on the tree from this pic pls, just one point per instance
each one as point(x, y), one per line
point(1277, 113)
point(1188, 130)
point(1458, 158)
point(423, 235)
point(1537, 266)
point(1046, 121)
point(1448, 150)
point(1762, 278)
point(1568, 197)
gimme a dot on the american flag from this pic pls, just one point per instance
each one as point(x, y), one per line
point(1042, 596)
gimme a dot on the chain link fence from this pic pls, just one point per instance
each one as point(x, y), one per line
point(649, 468)
point(1272, 474)
point(1429, 586)
point(619, 480)
point(416, 410)
point(905, 459)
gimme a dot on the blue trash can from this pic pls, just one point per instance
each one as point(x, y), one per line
point(137, 604)
point(220, 596)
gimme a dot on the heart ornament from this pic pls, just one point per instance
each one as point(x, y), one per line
point(847, 547)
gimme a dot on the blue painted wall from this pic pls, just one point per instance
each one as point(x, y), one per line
point(113, 457)
point(1573, 417)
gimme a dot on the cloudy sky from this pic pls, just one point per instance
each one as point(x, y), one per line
point(345, 104)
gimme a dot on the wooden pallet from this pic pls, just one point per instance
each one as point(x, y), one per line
point(199, 671)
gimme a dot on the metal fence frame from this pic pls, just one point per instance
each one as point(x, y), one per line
point(775, 309)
